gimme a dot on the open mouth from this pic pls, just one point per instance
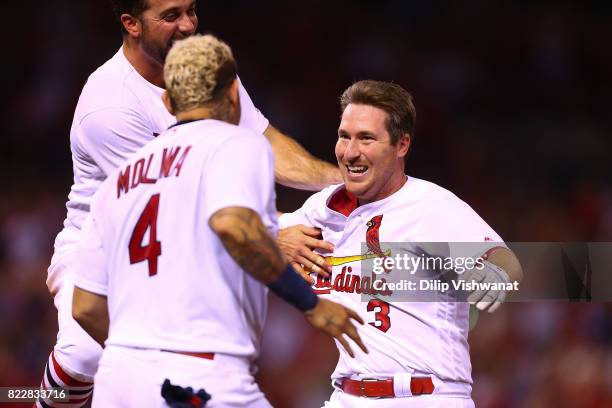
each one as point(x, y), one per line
point(356, 171)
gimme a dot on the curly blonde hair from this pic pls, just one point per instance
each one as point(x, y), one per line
point(196, 70)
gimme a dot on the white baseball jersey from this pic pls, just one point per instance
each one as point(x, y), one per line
point(148, 247)
point(402, 337)
point(118, 112)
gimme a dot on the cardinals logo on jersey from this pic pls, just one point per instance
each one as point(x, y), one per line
point(372, 236)
point(345, 281)
point(372, 242)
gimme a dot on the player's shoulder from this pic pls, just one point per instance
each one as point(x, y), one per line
point(428, 191)
point(112, 85)
point(213, 137)
point(245, 139)
point(449, 216)
point(320, 199)
point(240, 132)
point(219, 132)
point(314, 210)
point(326, 194)
point(441, 206)
point(434, 197)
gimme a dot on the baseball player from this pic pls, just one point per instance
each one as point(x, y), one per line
point(178, 243)
point(419, 355)
point(119, 111)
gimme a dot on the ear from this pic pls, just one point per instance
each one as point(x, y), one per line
point(168, 102)
point(403, 145)
point(132, 25)
point(232, 93)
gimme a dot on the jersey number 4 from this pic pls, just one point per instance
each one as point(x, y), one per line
point(383, 322)
point(147, 221)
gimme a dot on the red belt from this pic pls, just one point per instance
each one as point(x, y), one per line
point(208, 356)
point(384, 388)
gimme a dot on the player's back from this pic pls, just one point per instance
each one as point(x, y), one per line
point(171, 283)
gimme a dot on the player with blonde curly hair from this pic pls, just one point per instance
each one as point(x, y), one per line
point(176, 251)
point(119, 111)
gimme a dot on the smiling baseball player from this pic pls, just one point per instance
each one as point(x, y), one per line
point(419, 354)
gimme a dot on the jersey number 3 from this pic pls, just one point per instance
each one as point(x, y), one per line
point(147, 221)
point(383, 322)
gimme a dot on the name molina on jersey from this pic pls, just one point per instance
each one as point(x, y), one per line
point(138, 173)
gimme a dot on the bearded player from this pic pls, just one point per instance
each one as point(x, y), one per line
point(419, 355)
point(119, 111)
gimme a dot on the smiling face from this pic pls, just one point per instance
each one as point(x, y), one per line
point(163, 23)
point(371, 166)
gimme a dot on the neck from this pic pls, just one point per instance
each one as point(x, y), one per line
point(149, 68)
point(396, 182)
point(198, 113)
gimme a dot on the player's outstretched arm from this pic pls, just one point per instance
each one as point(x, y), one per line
point(295, 167)
point(248, 242)
point(90, 310)
point(501, 266)
point(505, 259)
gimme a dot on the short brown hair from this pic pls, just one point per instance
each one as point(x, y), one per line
point(131, 7)
point(390, 97)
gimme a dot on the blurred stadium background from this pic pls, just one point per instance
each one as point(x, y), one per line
point(513, 104)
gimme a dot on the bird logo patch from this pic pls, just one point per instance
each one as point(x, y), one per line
point(346, 281)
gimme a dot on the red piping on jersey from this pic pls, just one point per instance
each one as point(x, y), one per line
point(343, 202)
point(207, 356)
point(487, 254)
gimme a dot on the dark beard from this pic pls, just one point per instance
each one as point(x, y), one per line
point(156, 53)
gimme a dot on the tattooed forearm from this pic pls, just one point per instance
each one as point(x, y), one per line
point(247, 240)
